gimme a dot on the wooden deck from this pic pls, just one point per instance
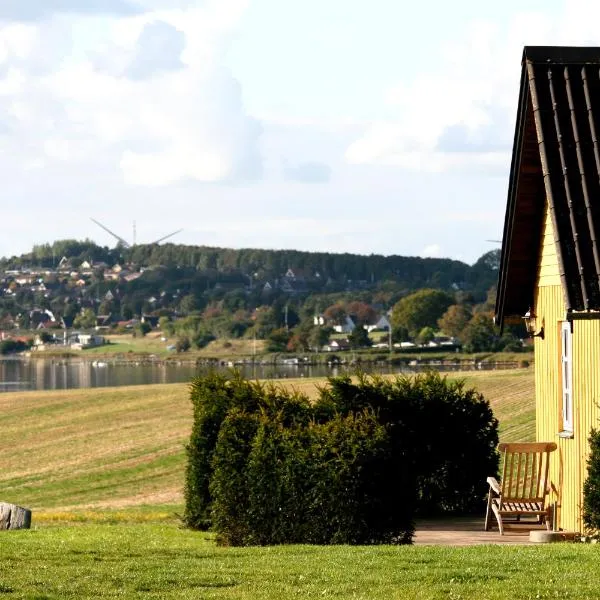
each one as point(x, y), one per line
point(468, 531)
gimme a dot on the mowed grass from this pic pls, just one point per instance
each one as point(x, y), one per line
point(117, 449)
point(512, 397)
point(162, 561)
point(127, 344)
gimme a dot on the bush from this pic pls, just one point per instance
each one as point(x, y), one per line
point(212, 396)
point(182, 344)
point(450, 432)
point(230, 481)
point(322, 484)
point(143, 328)
point(13, 346)
point(591, 487)
point(203, 339)
point(265, 466)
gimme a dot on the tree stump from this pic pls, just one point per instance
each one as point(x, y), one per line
point(14, 517)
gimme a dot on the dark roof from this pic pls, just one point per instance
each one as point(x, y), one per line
point(556, 156)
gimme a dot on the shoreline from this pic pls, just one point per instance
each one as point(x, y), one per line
point(487, 361)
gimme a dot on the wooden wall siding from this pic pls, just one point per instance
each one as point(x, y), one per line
point(550, 307)
point(568, 467)
point(549, 273)
point(586, 395)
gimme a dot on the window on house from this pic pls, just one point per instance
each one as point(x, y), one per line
point(567, 377)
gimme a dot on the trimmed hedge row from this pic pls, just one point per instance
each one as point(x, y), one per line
point(266, 466)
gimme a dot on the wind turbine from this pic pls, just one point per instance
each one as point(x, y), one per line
point(124, 242)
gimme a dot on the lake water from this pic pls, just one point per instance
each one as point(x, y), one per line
point(41, 374)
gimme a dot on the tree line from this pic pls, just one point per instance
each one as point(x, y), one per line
point(200, 294)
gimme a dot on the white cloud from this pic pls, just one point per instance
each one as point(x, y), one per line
point(152, 94)
point(461, 114)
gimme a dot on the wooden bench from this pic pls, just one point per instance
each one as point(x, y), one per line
point(524, 487)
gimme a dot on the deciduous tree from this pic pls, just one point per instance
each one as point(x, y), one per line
point(455, 319)
point(480, 334)
point(336, 313)
point(361, 312)
point(420, 309)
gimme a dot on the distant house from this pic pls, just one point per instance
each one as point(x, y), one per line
point(37, 316)
point(405, 345)
point(445, 341)
point(152, 320)
point(64, 264)
point(346, 326)
point(337, 346)
point(25, 279)
point(49, 324)
point(382, 323)
point(89, 340)
point(295, 274)
point(293, 282)
point(292, 286)
point(103, 321)
point(319, 319)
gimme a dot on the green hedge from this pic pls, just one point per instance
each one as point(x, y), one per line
point(213, 397)
point(267, 466)
point(591, 486)
point(451, 433)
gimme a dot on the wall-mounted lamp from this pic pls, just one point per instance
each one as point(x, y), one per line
point(531, 325)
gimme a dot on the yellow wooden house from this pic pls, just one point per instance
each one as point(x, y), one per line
point(550, 266)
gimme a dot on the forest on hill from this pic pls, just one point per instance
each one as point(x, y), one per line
point(320, 269)
point(202, 293)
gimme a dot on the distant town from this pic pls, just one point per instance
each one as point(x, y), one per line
point(74, 294)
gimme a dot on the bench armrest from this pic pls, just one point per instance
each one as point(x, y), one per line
point(494, 485)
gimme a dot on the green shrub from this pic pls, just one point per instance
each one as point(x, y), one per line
point(352, 498)
point(211, 401)
point(12, 346)
point(182, 344)
point(591, 487)
point(266, 467)
point(213, 397)
point(323, 484)
point(229, 482)
point(448, 434)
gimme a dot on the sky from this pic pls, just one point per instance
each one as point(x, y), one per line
point(380, 127)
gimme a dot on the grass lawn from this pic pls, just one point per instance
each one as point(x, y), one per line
point(163, 561)
point(153, 344)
